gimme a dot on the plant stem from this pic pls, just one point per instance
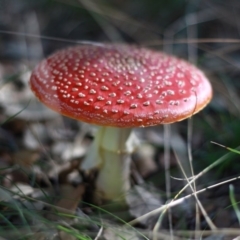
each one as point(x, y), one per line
point(111, 151)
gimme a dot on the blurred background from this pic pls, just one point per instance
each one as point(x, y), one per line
point(204, 32)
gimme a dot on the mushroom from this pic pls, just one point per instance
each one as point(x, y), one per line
point(118, 87)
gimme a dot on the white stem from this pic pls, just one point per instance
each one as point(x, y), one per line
point(111, 151)
point(113, 178)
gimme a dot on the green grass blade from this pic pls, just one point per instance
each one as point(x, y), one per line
point(233, 202)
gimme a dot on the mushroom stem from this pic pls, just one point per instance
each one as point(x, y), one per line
point(113, 178)
point(111, 151)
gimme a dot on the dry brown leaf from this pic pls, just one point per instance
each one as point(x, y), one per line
point(25, 158)
point(50, 235)
point(71, 197)
point(117, 233)
point(16, 176)
point(144, 160)
point(66, 169)
point(142, 200)
point(63, 236)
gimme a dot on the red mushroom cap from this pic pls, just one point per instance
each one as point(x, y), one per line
point(120, 85)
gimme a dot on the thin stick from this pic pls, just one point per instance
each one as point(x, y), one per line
point(158, 42)
point(167, 130)
point(192, 57)
point(175, 202)
point(198, 203)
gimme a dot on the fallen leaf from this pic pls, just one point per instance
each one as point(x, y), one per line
point(70, 197)
point(141, 201)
